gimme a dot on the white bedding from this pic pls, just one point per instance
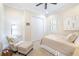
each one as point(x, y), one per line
point(59, 43)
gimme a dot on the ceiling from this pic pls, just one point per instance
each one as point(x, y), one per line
point(40, 9)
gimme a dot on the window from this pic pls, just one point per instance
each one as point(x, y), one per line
point(15, 30)
point(54, 24)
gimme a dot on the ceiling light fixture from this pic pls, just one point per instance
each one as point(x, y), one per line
point(45, 4)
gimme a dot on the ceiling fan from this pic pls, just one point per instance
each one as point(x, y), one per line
point(45, 4)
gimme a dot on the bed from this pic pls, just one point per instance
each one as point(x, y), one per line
point(57, 43)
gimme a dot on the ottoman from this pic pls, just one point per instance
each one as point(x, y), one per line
point(25, 47)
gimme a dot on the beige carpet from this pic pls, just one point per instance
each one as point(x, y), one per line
point(37, 51)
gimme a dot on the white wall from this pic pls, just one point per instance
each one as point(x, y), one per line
point(71, 12)
point(2, 26)
point(14, 16)
point(10, 16)
point(28, 16)
point(74, 11)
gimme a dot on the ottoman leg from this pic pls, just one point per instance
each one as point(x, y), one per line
point(29, 51)
point(22, 54)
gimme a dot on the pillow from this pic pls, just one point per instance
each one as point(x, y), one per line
point(72, 37)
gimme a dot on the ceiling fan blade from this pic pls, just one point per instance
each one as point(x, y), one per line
point(54, 3)
point(45, 5)
point(39, 4)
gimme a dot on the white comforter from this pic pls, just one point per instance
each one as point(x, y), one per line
point(59, 43)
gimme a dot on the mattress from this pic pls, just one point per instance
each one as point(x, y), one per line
point(59, 43)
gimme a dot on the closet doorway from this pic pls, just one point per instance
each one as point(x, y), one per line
point(37, 28)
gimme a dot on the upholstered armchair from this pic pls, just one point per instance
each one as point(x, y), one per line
point(22, 46)
point(12, 43)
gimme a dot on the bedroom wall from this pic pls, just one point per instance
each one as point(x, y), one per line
point(14, 16)
point(2, 26)
point(74, 11)
point(28, 16)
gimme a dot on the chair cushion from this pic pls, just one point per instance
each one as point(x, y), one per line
point(25, 47)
